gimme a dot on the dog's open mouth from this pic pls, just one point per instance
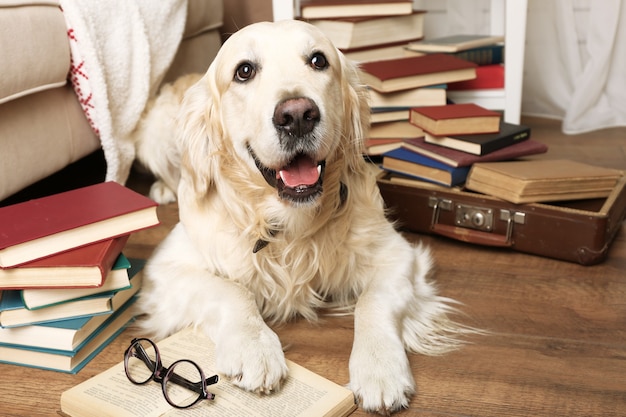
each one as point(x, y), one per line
point(300, 181)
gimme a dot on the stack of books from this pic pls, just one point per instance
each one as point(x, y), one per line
point(486, 51)
point(457, 136)
point(65, 285)
point(375, 31)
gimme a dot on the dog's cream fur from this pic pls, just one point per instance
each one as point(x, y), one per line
point(156, 147)
point(336, 249)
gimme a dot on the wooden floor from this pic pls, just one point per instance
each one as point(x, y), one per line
point(558, 330)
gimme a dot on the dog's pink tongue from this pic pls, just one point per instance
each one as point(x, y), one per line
point(302, 171)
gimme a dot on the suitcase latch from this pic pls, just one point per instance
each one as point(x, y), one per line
point(474, 217)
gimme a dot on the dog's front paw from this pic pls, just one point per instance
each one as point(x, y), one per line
point(381, 385)
point(161, 193)
point(255, 360)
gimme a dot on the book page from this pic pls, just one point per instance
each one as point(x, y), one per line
point(304, 393)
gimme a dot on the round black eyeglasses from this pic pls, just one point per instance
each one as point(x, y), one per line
point(183, 383)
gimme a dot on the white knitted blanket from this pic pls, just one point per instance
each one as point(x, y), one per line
point(121, 50)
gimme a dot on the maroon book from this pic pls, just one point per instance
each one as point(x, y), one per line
point(455, 119)
point(45, 226)
point(416, 71)
point(456, 158)
point(84, 267)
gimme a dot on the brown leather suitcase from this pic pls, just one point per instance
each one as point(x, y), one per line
point(576, 231)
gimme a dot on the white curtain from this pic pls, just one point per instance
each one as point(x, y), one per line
point(585, 86)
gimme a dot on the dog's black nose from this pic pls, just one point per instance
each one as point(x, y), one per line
point(296, 116)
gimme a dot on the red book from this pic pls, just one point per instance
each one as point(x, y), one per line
point(455, 119)
point(487, 77)
point(416, 71)
point(319, 9)
point(456, 158)
point(84, 267)
point(42, 227)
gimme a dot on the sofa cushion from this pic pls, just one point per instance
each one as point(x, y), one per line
point(33, 34)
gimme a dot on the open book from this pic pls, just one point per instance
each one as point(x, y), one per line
point(303, 394)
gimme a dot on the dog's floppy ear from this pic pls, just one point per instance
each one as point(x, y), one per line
point(200, 130)
point(357, 111)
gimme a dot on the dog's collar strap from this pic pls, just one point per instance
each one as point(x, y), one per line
point(261, 243)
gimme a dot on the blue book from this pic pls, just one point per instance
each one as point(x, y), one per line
point(407, 162)
point(71, 361)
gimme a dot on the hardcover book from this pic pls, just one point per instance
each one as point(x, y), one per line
point(456, 119)
point(116, 279)
point(483, 144)
point(488, 77)
point(13, 312)
point(455, 43)
point(406, 162)
point(417, 71)
point(414, 97)
point(319, 9)
point(359, 32)
point(54, 224)
point(67, 335)
point(70, 362)
point(542, 180)
point(389, 114)
point(303, 394)
point(456, 158)
point(87, 266)
point(398, 129)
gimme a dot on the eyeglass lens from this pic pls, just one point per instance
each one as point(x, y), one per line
point(181, 382)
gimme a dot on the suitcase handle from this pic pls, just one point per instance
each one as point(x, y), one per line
point(471, 235)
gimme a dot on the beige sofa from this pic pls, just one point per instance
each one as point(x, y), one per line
point(42, 126)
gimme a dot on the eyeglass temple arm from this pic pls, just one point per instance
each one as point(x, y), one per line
point(194, 386)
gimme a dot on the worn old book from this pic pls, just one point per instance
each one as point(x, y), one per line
point(414, 97)
point(87, 266)
point(483, 55)
point(455, 43)
point(399, 129)
point(542, 180)
point(70, 361)
point(456, 158)
point(359, 32)
point(68, 335)
point(379, 52)
point(54, 224)
point(406, 162)
point(456, 119)
point(117, 279)
point(488, 77)
point(13, 311)
point(304, 393)
point(375, 147)
point(320, 9)
point(483, 144)
point(416, 71)
point(389, 114)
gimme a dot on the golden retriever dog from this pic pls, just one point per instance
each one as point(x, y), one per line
point(280, 216)
point(156, 146)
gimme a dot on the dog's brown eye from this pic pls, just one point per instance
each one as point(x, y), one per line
point(244, 72)
point(318, 61)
